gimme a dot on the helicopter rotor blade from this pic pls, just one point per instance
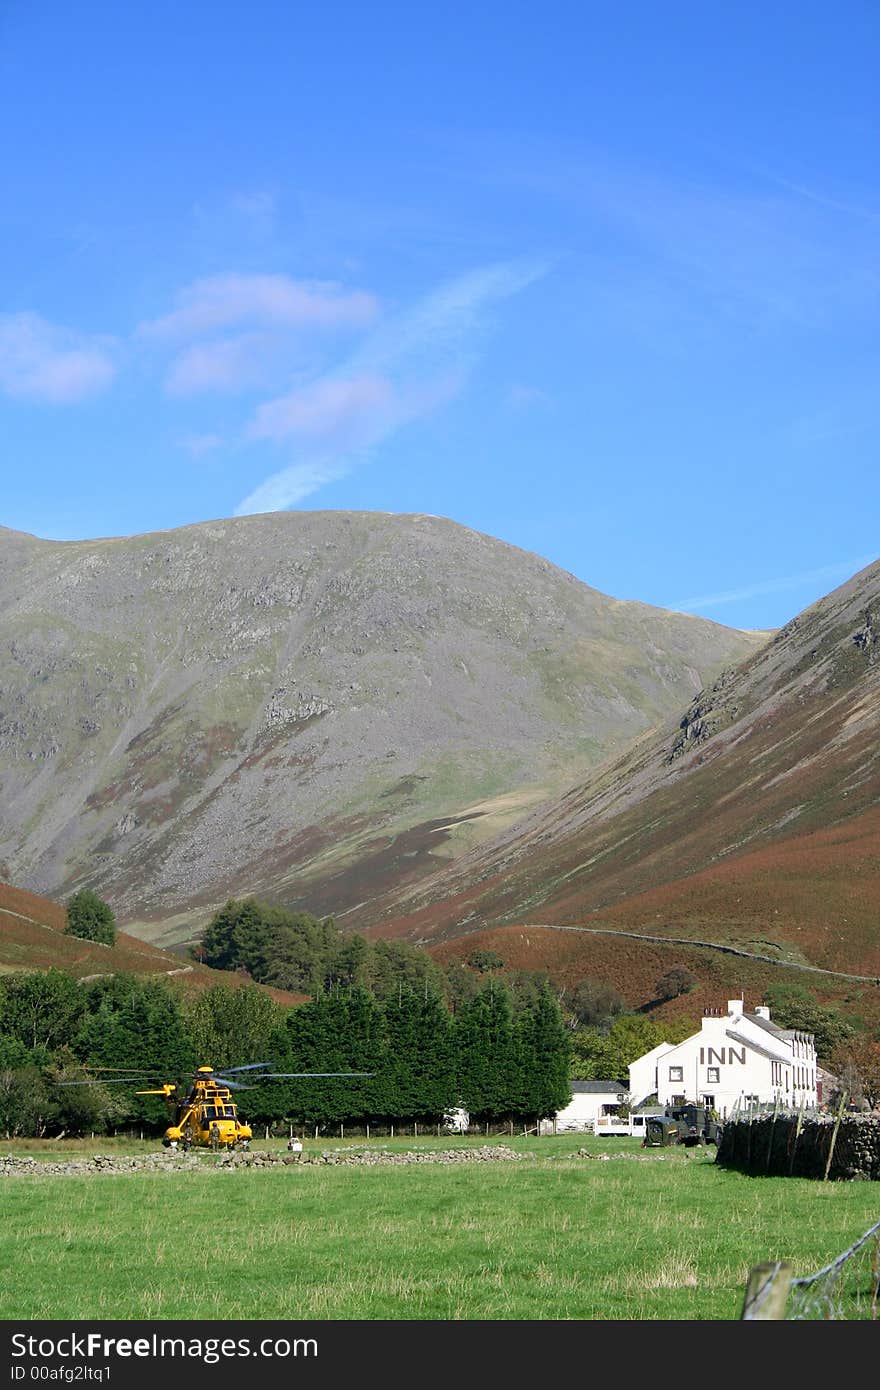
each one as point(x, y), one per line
point(105, 1081)
point(283, 1075)
point(249, 1066)
point(135, 1067)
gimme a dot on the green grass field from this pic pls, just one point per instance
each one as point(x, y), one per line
point(656, 1235)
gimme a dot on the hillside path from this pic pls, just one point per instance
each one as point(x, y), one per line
point(709, 946)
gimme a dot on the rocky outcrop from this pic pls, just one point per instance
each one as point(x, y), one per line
point(710, 711)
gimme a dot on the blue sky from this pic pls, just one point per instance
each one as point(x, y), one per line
point(599, 280)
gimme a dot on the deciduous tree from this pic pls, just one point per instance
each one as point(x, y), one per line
point(90, 917)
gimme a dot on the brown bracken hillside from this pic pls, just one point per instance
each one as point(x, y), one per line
point(753, 818)
point(32, 937)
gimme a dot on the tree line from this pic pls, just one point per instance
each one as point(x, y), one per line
point(423, 1060)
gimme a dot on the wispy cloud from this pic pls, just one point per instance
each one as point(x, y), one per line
point(290, 486)
point(341, 412)
point(232, 333)
point(406, 368)
point(227, 365)
point(269, 301)
point(711, 252)
point(259, 209)
point(42, 361)
point(825, 574)
point(197, 445)
point(521, 397)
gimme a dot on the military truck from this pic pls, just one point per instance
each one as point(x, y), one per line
point(688, 1124)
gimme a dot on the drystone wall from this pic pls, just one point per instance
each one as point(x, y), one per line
point(778, 1147)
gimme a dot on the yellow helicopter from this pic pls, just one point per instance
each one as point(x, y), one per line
point(208, 1116)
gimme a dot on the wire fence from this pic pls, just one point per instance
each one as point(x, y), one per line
point(848, 1288)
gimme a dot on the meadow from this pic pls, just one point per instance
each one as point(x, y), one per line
point(657, 1235)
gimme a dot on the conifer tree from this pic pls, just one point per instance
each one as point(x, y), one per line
point(489, 1076)
point(135, 1024)
point(419, 1071)
point(544, 1050)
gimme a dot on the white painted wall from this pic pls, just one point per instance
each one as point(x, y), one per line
point(643, 1073)
point(586, 1108)
point(732, 1059)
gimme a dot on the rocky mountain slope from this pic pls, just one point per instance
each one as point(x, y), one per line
point(311, 706)
point(753, 817)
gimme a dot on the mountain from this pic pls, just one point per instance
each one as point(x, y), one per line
point(310, 706)
point(752, 819)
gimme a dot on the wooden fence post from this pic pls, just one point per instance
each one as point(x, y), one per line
point(772, 1131)
point(843, 1099)
point(767, 1292)
point(797, 1135)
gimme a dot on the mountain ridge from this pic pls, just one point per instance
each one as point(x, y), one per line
point(253, 704)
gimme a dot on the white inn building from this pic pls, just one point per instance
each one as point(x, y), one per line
point(735, 1057)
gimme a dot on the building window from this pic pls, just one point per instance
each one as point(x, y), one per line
point(676, 1074)
point(713, 1073)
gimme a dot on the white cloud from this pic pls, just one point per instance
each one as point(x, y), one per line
point(406, 368)
point(340, 412)
point(447, 325)
point(228, 364)
point(42, 361)
point(290, 485)
point(273, 301)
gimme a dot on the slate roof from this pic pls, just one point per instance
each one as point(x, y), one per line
point(773, 1028)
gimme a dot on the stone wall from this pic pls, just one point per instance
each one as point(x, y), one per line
point(773, 1146)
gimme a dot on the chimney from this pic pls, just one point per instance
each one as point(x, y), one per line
point(735, 1008)
point(762, 1012)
